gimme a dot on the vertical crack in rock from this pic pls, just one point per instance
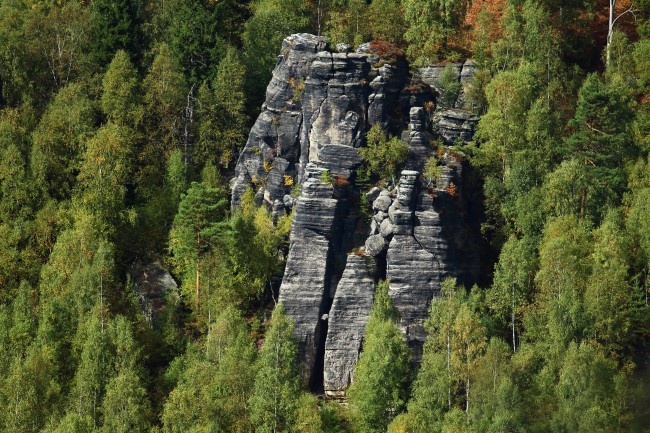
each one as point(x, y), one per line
point(348, 317)
point(319, 106)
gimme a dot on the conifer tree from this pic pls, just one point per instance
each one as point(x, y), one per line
point(114, 26)
point(199, 220)
point(165, 92)
point(601, 142)
point(120, 99)
point(221, 113)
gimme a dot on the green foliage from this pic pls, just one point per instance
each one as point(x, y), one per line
point(221, 106)
point(501, 130)
point(474, 91)
point(601, 142)
point(451, 86)
point(110, 109)
point(164, 99)
point(512, 287)
point(430, 26)
point(59, 141)
point(105, 172)
point(608, 296)
point(308, 418)
point(383, 156)
point(432, 170)
point(114, 26)
point(271, 22)
point(277, 386)
point(125, 406)
point(326, 177)
point(120, 102)
point(382, 377)
point(196, 226)
point(199, 33)
point(30, 391)
point(216, 380)
point(385, 21)
point(347, 24)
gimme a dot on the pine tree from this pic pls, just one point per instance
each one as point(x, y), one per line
point(221, 113)
point(196, 226)
point(600, 141)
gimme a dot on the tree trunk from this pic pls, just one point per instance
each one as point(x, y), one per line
point(610, 31)
point(467, 396)
point(514, 337)
point(448, 369)
point(198, 273)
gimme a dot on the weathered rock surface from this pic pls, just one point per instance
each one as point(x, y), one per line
point(319, 106)
point(453, 125)
point(153, 284)
point(462, 71)
point(347, 321)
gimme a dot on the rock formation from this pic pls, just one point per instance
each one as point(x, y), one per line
point(302, 154)
point(153, 285)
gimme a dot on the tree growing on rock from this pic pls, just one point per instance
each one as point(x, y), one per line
point(383, 156)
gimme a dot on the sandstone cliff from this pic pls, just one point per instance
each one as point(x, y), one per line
point(301, 156)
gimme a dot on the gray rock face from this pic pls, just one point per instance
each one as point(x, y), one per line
point(273, 142)
point(462, 71)
point(453, 125)
point(153, 284)
point(431, 241)
point(347, 321)
point(319, 106)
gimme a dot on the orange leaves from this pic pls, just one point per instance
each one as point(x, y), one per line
point(451, 189)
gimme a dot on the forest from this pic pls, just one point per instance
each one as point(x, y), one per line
point(121, 122)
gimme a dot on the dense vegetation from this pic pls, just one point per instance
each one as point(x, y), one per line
point(120, 122)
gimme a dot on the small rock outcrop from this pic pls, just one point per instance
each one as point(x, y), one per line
point(319, 106)
point(153, 285)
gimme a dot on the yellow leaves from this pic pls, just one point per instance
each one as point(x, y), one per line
point(288, 180)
